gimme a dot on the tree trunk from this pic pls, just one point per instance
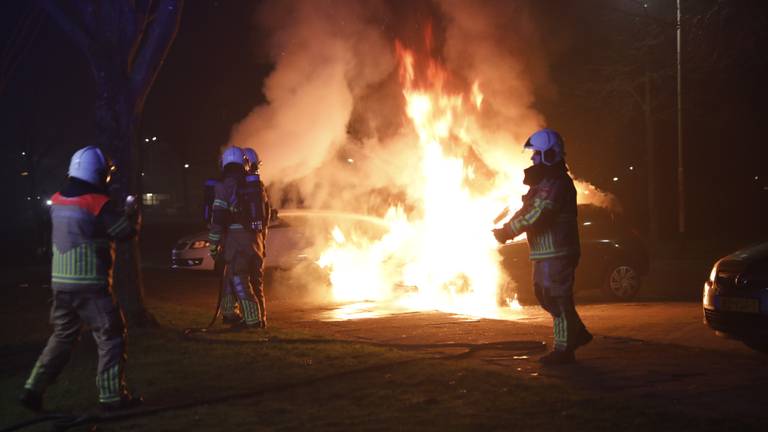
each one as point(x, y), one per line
point(116, 125)
point(125, 43)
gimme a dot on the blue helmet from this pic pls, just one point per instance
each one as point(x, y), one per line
point(91, 165)
point(547, 145)
point(232, 155)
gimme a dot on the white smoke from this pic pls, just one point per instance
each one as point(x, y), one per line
point(325, 54)
point(333, 124)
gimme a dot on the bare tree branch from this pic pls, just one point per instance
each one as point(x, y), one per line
point(78, 34)
point(155, 46)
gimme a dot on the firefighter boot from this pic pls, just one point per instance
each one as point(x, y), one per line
point(31, 400)
point(581, 338)
point(230, 313)
point(126, 401)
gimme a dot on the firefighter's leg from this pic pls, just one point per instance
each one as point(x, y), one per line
point(228, 299)
point(570, 332)
point(243, 290)
point(541, 288)
point(103, 316)
point(257, 281)
point(573, 333)
point(66, 330)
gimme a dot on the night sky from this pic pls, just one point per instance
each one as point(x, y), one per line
point(214, 73)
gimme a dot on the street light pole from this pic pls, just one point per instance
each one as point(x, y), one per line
point(680, 166)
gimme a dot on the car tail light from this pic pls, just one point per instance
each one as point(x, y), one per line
point(199, 244)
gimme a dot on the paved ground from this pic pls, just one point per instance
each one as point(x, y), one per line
point(652, 350)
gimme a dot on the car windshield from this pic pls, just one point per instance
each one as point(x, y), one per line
point(596, 221)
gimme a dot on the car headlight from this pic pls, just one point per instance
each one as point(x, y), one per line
point(713, 273)
point(200, 244)
point(708, 286)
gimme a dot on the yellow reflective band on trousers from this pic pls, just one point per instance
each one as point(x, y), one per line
point(560, 328)
point(250, 311)
point(109, 383)
point(77, 266)
point(34, 382)
point(228, 305)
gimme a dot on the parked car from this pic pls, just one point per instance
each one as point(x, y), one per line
point(735, 298)
point(613, 258)
point(293, 238)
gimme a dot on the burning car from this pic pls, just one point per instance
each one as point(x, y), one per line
point(735, 298)
point(294, 237)
point(613, 258)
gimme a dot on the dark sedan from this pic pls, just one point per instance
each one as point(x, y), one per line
point(735, 296)
point(613, 258)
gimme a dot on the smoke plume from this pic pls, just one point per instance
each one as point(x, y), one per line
point(333, 133)
point(325, 54)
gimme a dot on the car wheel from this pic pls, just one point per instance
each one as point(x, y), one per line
point(622, 282)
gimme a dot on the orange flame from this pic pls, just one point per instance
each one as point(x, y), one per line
point(446, 259)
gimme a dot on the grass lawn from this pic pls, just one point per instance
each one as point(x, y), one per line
point(287, 380)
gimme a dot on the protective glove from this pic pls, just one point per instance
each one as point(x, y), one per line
point(131, 205)
point(501, 234)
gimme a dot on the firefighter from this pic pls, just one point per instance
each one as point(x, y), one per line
point(85, 225)
point(548, 217)
point(257, 188)
point(236, 233)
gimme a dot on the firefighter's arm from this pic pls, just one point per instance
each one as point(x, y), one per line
point(121, 223)
point(219, 220)
point(535, 210)
point(268, 210)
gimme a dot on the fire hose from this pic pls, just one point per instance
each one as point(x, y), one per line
point(222, 282)
point(63, 421)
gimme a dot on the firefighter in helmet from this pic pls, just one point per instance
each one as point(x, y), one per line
point(236, 230)
point(85, 225)
point(260, 191)
point(548, 217)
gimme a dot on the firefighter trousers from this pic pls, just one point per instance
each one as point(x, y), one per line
point(69, 312)
point(553, 285)
point(244, 285)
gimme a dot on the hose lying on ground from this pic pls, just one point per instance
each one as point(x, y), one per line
point(222, 281)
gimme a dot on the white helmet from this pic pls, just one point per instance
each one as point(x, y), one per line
point(232, 155)
point(89, 164)
point(549, 144)
point(253, 158)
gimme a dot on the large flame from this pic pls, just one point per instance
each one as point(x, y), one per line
point(442, 256)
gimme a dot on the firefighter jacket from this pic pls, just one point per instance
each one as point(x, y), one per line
point(234, 223)
point(85, 223)
point(548, 215)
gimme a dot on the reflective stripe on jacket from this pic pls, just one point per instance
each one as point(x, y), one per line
point(227, 227)
point(548, 217)
point(82, 227)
